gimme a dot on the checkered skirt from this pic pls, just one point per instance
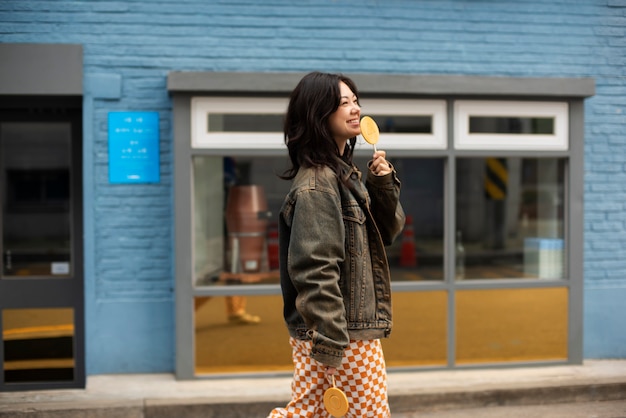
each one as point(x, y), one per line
point(362, 376)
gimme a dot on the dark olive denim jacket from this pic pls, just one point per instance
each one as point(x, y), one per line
point(334, 271)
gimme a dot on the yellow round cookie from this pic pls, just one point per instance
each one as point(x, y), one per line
point(369, 130)
point(336, 402)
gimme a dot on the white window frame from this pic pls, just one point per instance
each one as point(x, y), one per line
point(436, 109)
point(464, 109)
point(201, 107)
point(201, 138)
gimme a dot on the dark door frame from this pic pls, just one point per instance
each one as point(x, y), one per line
point(45, 291)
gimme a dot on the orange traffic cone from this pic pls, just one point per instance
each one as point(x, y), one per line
point(408, 256)
point(272, 246)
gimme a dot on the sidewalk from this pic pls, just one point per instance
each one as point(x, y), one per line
point(160, 395)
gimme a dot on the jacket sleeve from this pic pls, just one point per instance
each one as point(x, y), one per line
point(386, 209)
point(316, 250)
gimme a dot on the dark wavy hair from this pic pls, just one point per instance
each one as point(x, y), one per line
point(307, 132)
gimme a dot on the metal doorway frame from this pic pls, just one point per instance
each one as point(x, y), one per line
point(43, 83)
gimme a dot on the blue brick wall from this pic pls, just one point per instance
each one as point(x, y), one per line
point(129, 228)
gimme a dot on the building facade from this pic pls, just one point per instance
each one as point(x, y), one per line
point(507, 120)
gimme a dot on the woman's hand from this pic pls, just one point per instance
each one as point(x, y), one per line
point(330, 371)
point(379, 165)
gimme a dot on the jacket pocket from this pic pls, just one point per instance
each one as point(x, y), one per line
point(354, 224)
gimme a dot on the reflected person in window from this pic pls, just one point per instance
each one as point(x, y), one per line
point(333, 228)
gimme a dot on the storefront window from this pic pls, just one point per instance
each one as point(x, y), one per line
point(510, 218)
point(228, 345)
point(417, 255)
point(236, 203)
point(420, 324)
point(491, 187)
point(511, 125)
point(236, 206)
point(504, 325)
point(244, 122)
point(404, 124)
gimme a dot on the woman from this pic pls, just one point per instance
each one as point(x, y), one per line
point(334, 272)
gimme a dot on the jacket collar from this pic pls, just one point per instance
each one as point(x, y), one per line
point(348, 170)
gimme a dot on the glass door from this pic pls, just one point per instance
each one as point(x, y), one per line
point(41, 280)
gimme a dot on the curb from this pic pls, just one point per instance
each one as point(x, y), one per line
point(201, 408)
point(509, 397)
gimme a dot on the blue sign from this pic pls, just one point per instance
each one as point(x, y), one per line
point(133, 147)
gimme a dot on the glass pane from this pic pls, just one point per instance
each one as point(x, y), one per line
point(404, 124)
point(508, 325)
point(38, 344)
point(254, 122)
point(510, 218)
point(238, 244)
point(236, 205)
point(36, 219)
point(419, 336)
point(225, 342)
point(228, 122)
point(511, 125)
point(418, 253)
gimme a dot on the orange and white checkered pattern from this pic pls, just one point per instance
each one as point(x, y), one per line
point(362, 376)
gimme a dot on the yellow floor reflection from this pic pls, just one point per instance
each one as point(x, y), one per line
point(419, 336)
point(225, 346)
point(493, 326)
point(506, 325)
point(419, 330)
point(38, 344)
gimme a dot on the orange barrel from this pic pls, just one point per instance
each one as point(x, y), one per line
point(272, 246)
point(246, 222)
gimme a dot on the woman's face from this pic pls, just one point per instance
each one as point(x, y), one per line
point(344, 122)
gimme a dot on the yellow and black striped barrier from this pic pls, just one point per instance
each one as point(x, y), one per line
point(496, 178)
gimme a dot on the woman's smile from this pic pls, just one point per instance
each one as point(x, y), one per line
point(345, 121)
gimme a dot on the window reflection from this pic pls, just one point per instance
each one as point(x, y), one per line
point(404, 124)
point(36, 218)
point(236, 205)
point(245, 122)
point(418, 253)
point(247, 250)
point(511, 125)
point(510, 218)
point(38, 344)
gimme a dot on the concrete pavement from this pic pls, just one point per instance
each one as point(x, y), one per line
point(421, 392)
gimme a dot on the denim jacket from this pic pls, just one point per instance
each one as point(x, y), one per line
point(334, 271)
